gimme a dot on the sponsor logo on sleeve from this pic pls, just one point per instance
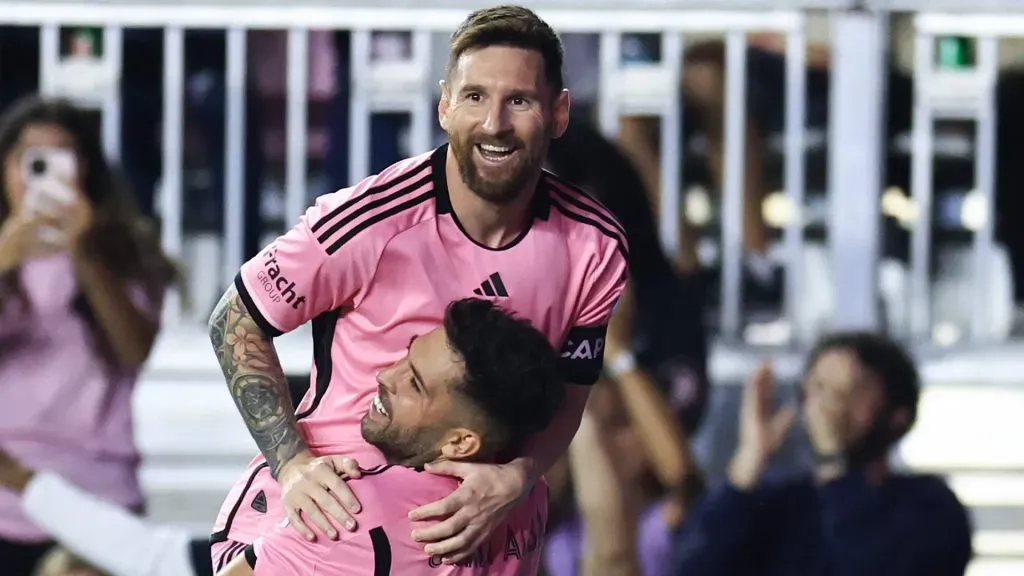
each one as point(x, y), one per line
point(276, 285)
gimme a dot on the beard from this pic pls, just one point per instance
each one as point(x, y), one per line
point(498, 190)
point(873, 445)
point(402, 446)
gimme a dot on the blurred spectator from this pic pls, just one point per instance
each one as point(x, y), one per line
point(142, 111)
point(703, 88)
point(101, 533)
point(81, 284)
point(656, 353)
point(854, 516)
point(142, 98)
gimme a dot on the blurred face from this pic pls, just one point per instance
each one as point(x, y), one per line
point(411, 418)
point(33, 136)
point(837, 376)
point(500, 115)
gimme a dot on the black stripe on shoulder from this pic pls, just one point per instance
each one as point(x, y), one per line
point(570, 193)
point(381, 552)
point(367, 207)
point(620, 242)
point(391, 184)
point(382, 215)
point(254, 312)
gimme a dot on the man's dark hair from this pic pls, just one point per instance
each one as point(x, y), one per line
point(512, 26)
point(886, 359)
point(511, 371)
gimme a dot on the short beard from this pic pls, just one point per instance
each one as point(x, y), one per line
point(502, 192)
point(412, 450)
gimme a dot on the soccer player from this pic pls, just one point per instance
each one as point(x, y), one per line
point(464, 392)
point(373, 265)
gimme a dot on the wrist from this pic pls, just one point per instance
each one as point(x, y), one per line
point(527, 468)
point(829, 467)
point(280, 471)
point(745, 471)
point(16, 479)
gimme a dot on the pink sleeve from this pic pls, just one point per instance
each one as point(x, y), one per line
point(321, 264)
point(583, 350)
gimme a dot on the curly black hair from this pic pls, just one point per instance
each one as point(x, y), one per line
point(511, 371)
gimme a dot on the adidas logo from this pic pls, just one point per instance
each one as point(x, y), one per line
point(493, 286)
point(259, 503)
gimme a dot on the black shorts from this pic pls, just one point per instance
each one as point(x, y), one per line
point(670, 342)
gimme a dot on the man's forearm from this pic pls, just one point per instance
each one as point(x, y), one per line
point(256, 381)
point(543, 450)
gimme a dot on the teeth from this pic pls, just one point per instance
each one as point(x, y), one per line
point(379, 406)
point(495, 149)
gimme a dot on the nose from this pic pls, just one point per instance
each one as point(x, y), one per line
point(386, 378)
point(497, 119)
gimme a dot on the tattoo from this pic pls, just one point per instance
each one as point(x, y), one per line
point(256, 381)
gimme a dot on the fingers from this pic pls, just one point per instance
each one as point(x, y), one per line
point(347, 467)
point(439, 509)
point(442, 531)
point(780, 424)
point(754, 391)
point(457, 544)
point(314, 513)
point(340, 492)
point(295, 521)
point(449, 468)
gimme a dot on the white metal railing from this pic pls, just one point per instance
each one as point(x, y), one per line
point(962, 94)
point(407, 87)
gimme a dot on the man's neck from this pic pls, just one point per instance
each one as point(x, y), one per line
point(489, 224)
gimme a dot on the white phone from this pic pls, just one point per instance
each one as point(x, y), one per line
point(49, 175)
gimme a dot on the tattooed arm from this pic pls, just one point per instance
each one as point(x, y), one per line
point(256, 380)
point(311, 486)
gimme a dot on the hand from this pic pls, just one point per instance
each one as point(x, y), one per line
point(312, 487)
point(19, 240)
point(13, 475)
point(761, 431)
point(67, 212)
point(487, 494)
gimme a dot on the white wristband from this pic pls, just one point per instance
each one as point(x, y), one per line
point(622, 363)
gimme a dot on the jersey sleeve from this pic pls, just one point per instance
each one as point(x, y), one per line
point(583, 351)
point(321, 264)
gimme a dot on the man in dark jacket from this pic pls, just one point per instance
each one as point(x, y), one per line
point(853, 516)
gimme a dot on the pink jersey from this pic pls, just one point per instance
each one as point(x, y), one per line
point(383, 545)
point(374, 265)
point(64, 406)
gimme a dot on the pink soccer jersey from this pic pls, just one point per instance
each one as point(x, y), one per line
point(383, 544)
point(374, 265)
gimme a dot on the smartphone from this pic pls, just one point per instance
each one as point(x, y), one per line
point(50, 176)
point(49, 164)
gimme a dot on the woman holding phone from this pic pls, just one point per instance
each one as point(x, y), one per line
point(81, 284)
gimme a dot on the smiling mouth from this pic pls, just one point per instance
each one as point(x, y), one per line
point(494, 152)
point(378, 406)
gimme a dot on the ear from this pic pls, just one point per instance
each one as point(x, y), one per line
point(444, 105)
point(460, 444)
point(899, 422)
point(560, 113)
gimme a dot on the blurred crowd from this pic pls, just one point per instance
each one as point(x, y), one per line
point(82, 278)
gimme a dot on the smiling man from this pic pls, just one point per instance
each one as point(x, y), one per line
point(373, 265)
point(464, 392)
